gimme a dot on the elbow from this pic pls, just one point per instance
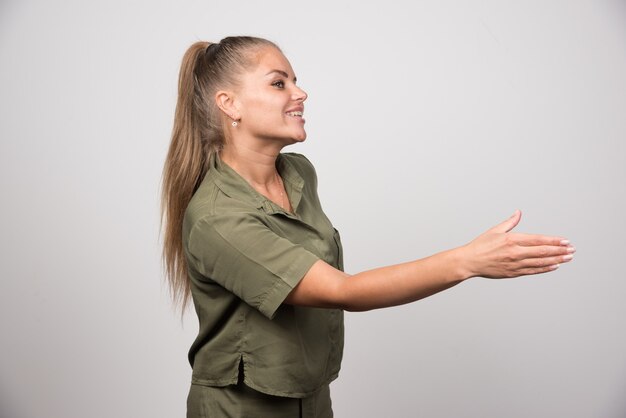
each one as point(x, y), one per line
point(337, 294)
point(346, 297)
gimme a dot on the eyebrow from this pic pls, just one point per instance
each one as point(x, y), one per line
point(281, 72)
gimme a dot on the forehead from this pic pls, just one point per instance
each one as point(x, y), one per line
point(269, 59)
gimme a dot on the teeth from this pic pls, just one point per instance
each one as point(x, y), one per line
point(294, 113)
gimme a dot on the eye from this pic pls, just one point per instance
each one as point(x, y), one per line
point(279, 84)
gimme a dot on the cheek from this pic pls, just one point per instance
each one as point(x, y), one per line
point(259, 105)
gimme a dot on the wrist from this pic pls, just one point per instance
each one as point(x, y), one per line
point(462, 262)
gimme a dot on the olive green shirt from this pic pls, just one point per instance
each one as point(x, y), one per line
point(245, 254)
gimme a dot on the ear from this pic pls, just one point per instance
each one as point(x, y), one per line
point(225, 101)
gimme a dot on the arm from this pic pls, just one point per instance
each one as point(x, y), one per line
point(497, 253)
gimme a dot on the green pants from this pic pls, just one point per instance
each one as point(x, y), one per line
point(240, 401)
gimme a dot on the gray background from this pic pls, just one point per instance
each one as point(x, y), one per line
point(428, 122)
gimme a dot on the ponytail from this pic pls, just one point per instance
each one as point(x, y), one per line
point(185, 166)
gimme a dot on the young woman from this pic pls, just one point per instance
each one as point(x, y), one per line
point(246, 238)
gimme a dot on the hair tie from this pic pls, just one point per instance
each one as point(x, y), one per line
point(212, 48)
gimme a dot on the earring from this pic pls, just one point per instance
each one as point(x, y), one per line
point(235, 123)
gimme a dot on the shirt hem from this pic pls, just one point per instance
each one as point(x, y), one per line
point(214, 382)
point(288, 394)
point(260, 388)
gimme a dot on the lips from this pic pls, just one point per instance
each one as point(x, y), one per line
point(296, 109)
point(296, 112)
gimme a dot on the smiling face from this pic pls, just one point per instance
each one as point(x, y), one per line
point(268, 101)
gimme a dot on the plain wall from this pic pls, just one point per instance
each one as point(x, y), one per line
point(428, 122)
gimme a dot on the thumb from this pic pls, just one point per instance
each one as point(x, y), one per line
point(509, 224)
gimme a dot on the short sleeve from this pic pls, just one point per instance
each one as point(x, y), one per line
point(240, 253)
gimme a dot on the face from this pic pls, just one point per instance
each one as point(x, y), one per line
point(269, 103)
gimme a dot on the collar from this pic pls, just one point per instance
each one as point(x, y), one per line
point(236, 187)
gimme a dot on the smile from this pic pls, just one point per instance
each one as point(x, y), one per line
point(295, 114)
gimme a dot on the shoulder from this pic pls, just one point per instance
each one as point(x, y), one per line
point(204, 199)
point(210, 204)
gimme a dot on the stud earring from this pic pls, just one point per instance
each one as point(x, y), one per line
point(235, 123)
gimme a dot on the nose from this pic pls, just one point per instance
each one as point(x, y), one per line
point(299, 94)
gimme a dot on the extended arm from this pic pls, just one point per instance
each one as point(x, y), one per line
point(497, 253)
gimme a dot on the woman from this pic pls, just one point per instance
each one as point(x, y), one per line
point(246, 237)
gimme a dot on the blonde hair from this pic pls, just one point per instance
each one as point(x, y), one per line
point(197, 133)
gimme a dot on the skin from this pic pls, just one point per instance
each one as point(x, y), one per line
point(260, 104)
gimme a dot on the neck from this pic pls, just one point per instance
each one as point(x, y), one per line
point(257, 166)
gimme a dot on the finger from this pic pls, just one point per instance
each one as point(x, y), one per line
point(529, 240)
point(538, 270)
point(509, 224)
point(542, 251)
point(545, 261)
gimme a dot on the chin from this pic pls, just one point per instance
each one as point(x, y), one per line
point(300, 136)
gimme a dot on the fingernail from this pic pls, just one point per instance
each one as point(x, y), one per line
point(568, 257)
point(554, 267)
point(565, 242)
point(571, 250)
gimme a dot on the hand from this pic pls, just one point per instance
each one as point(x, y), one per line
point(499, 253)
